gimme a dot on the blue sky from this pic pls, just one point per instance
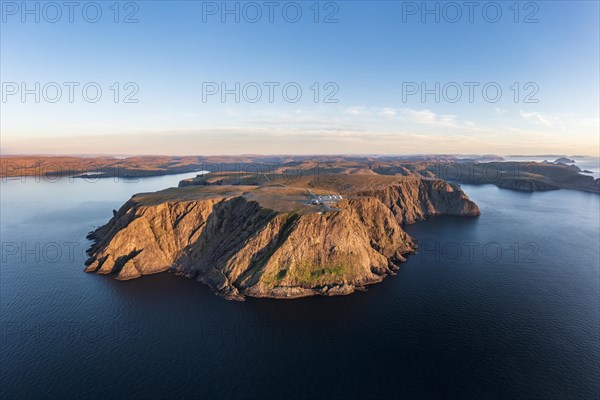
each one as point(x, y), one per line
point(373, 53)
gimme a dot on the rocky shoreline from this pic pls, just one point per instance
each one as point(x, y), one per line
point(266, 240)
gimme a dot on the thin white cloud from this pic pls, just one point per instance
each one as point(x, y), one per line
point(429, 118)
point(537, 118)
point(356, 110)
point(389, 112)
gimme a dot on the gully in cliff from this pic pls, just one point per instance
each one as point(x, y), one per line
point(266, 239)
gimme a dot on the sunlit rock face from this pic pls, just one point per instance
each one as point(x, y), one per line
point(269, 240)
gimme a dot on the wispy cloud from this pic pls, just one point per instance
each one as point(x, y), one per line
point(537, 118)
point(357, 110)
point(389, 112)
point(410, 116)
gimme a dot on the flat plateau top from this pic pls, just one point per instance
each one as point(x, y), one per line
point(283, 195)
point(275, 197)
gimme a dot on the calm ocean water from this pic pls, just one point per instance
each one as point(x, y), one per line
point(501, 306)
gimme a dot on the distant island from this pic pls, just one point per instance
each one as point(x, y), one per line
point(274, 235)
point(564, 160)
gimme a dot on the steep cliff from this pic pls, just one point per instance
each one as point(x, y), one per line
point(414, 200)
point(269, 242)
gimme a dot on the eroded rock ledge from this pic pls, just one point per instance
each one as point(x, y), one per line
point(267, 240)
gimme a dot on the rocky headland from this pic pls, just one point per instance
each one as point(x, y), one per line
point(280, 238)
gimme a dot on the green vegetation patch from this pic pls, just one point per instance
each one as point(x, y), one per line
point(311, 274)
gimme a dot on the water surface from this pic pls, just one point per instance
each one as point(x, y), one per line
point(501, 306)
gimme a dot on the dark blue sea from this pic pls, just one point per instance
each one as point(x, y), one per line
point(504, 306)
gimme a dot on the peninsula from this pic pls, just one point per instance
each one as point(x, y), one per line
point(277, 235)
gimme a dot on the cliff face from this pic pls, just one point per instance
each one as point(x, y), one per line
point(238, 247)
point(415, 200)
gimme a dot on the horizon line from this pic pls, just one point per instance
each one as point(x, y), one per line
point(291, 155)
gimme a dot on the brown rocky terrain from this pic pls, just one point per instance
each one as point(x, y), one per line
point(266, 239)
point(522, 176)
